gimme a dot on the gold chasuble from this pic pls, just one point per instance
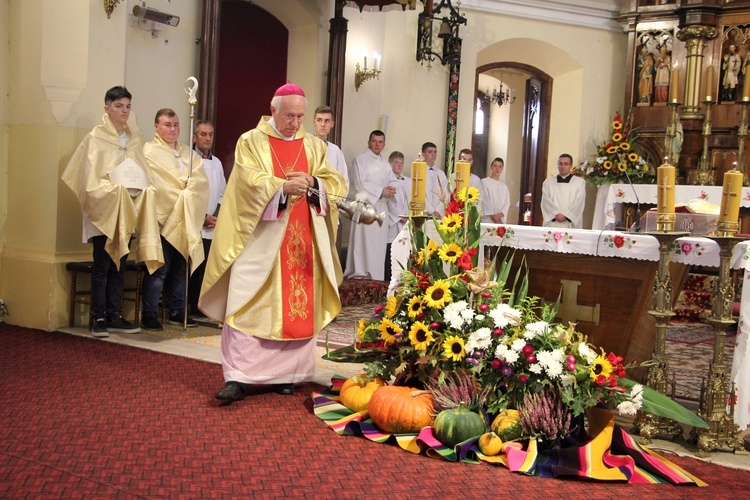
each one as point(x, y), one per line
point(275, 276)
point(109, 206)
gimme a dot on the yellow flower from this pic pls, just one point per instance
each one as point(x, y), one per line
point(612, 150)
point(420, 258)
point(633, 157)
point(617, 124)
point(389, 331)
point(453, 348)
point(416, 306)
point(451, 223)
point(625, 146)
point(420, 336)
point(617, 137)
point(361, 329)
point(608, 164)
point(601, 367)
point(470, 194)
point(450, 252)
point(621, 166)
point(438, 294)
point(431, 248)
point(391, 307)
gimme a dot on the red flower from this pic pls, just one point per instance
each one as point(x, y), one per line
point(464, 261)
point(501, 231)
point(423, 281)
point(454, 206)
point(619, 240)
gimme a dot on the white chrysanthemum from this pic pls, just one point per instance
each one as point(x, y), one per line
point(504, 315)
point(517, 345)
point(507, 355)
point(585, 351)
point(480, 339)
point(467, 314)
point(535, 368)
point(627, 408)
point(635, 402)
point(535, 329)
point(552, 362)
point(454, 314)
point(479, 317)
point(568, 379)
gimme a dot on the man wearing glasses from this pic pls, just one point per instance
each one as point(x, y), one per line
point(563, 196)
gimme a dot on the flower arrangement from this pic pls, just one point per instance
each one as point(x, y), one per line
point(448, 316)
point(617, 159)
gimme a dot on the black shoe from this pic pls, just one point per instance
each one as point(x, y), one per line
point(284, 389)
point(177, 318)
point(232, 391)
point(121, 325)
point(151, 323)
point(100, 328)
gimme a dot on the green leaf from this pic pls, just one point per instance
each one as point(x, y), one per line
point(660, 405)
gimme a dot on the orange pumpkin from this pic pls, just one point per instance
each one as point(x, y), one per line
point(356, 393)
point(401, 409)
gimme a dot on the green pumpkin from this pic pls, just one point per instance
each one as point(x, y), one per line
point(456, 425)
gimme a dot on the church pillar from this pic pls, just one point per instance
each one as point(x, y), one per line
point(209, 70)
point(695, 38)
point(336, 69)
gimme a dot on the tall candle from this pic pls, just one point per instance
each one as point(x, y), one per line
point(463, 174)
point(730, 196)
point(418, 180)
point(673, 84)
point(746, 89)
point(709, 83)
point(665, 176)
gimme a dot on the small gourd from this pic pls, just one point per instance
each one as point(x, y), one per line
point(456, 425)
point(399, 409)
point(490, 444)
point(356, 393)
point(507, 425)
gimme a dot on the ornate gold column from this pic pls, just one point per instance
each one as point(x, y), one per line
point(695, 38)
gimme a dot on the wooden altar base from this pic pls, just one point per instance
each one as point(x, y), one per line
point(608, 297)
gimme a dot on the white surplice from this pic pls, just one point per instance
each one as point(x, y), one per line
point(563, 198)
point(495, 198)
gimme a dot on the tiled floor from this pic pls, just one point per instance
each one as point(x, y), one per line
point(204, 343)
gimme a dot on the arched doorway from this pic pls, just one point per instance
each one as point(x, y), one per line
point(518, 132)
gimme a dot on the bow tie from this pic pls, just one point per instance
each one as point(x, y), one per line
point(565, 180)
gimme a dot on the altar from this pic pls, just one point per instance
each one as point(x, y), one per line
point(605, 279)
point(609, 197)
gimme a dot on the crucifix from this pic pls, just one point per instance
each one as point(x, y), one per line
point(569, 309)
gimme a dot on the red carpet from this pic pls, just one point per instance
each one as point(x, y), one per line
point(83, 418)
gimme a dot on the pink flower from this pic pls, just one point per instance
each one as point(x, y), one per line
point(557, 235)
point(686, 247)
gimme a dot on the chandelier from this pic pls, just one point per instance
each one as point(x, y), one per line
point(447, 32)
point(502, 95)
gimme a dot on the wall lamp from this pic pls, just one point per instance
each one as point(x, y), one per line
point(448, 33)
point(362, 75)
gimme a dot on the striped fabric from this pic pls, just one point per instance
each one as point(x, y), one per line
point(610, 455)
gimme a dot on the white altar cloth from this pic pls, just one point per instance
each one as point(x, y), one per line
point(646, 193)
point(687, 250)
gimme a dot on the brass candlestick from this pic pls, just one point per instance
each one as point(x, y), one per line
point(721, 431)
point(673, 152)
point(741, 134)
point(648, 425)
point(704, 177)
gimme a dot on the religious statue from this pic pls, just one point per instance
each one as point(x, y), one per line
point(663, 68)
point(731, 65)
point(646, 79)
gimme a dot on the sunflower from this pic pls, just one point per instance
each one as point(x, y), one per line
point(612, 150)
point(633, 156)
point(438, 294)
point(469, 194)
point(391, 307)
point(450, 252)
point(390, 330)
point(617, 125)
point(608, 164)
point(361, 329)
point(622, 166)
point(420, 258)
point(420, 336)
point(453, 348)
point(625, 146)
point(616, 137)
point(601, 368)
point(416, 306)
point(451, 223)
point(432, 247)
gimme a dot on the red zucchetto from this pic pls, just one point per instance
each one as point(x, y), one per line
point(289, 89)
